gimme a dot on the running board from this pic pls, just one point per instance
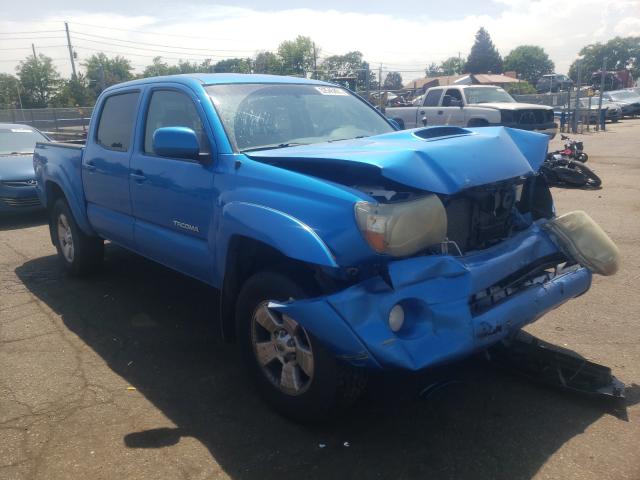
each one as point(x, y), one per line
point(558, 367)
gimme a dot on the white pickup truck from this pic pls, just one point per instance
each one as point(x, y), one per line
point(473, 106)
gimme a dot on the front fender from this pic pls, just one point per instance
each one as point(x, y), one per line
point(275, 228)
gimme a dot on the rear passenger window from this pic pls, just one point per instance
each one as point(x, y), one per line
point(169, 108)
point(116, 121)
point(433, 98)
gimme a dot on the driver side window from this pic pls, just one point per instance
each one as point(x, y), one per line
point(454, 94)
point(169, 108)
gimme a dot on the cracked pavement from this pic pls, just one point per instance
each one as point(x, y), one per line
point(123, 375)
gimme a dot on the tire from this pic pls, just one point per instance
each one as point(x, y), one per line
point(326, 386)
point(79, 253)
point(592, 180)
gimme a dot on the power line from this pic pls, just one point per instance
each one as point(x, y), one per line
point(152, 44)
point(29, 48)
point(32, 38)
point(28, 33)
point(164, 34)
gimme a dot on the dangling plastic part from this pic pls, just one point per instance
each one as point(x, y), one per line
point(582, 239)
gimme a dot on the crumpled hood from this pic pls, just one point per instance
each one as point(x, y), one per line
point(437, 159)
point(512, 106)
point(16, 167)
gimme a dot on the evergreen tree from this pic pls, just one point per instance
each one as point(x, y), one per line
point(484, 57)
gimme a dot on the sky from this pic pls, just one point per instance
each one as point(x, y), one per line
point(403, 36)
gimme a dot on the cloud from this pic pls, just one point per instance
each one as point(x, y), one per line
point(401, 43)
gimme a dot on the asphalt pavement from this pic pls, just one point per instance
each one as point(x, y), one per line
point(123, 376)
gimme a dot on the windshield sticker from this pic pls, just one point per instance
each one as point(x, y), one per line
point(21, 130)
point(332, 91)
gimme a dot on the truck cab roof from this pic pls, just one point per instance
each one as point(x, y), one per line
point(195, 79)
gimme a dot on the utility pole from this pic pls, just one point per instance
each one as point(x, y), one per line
point(101, 76)
point(315, 62)
point(73, 64)
point(35, 57)
point(380, 86)
point(576, 105)
point(602, 76)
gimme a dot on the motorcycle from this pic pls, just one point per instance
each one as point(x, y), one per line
point(573, 149)
point(561, 171)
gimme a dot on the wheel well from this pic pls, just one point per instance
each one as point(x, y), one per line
point(53, 192)
point(477, 122)
point(245, 257)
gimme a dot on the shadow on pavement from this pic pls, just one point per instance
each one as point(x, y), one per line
point(157, 329)
point(13, 221)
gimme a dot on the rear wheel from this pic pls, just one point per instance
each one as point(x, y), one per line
point(292, 370)
point(79, 252)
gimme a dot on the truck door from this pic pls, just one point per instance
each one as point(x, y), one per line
point(428, 114)
point(173, 198)
point(451, 111)
point(105, 167)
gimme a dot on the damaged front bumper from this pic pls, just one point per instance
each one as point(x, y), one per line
point(453, 306)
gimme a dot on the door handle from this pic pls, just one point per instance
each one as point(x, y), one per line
point(440, 112)
point(422, 112)
point(138, 176)
point(90, 166)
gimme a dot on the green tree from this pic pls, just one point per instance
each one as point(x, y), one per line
point(484, 57)
point(103, 71)
point(75, 92)
point(452, 66)
point(267, 62)
point(298, 56)
point(393, 81)
point(621, 53)
point(159, 68)
point(520, 88)
point(233, 65)
point(433, 70)
point(9, 86)
point(529, 61)
point(40, 81)
point(351, 64)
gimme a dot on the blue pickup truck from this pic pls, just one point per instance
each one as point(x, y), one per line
point(339, 244)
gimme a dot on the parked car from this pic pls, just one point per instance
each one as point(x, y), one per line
point(17, 178)
point(613, 110)
point(628, 100)
point(474, 106)
point(338, 244)
point(554, 82)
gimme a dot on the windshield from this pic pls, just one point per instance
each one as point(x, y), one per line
point(624, 95)
point(18, 139)
point(487, 95)
point(261, 116)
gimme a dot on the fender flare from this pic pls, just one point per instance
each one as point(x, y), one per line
point(63, 178)
point(278, 229)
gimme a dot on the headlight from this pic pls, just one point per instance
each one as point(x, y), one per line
point(402, 229)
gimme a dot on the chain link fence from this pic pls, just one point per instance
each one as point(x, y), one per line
point(59, 123)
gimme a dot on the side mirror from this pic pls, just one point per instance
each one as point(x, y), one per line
point(176, 142)
point(456, 103)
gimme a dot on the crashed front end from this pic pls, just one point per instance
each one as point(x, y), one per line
point(452, 306)
point(461, 263)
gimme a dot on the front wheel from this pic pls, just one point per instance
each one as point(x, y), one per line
point(79, 252)
point(292, 370)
